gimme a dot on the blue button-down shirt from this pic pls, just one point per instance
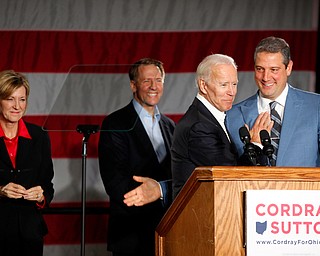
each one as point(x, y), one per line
point(151, 124)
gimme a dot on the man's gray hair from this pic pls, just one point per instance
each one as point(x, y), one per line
point(204, 70)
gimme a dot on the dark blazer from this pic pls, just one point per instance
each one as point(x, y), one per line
point(199, 140)
point(126, 150)
point(33, 167)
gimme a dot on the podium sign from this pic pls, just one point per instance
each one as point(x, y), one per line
point(282, 222)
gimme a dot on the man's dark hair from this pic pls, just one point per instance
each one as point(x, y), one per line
point(133, 71)
point(273, 45)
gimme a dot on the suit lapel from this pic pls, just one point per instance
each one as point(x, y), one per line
point(206, 113)
point(4, 154)
point(250, 110)
point(165, 130)
point(140, 135)
point(23, 150)
point(293, 108)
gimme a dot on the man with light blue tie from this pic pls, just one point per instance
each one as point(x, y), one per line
point(296, 139)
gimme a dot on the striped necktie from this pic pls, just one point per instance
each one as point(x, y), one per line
point(276, 129)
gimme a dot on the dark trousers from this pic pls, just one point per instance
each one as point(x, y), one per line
point(13, 244)
point(24, 248)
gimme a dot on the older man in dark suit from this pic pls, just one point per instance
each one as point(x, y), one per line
point(200, 137)
point(135, 163)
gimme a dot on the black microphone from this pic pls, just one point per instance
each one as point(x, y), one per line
point(268, 148)
point(248, 147)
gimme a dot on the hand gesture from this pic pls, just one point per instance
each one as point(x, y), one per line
point(263, 122)
point(147, 192)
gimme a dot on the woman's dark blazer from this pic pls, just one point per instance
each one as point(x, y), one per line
point(34, 167)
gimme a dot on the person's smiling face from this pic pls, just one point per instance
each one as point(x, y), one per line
point(13, 108)
point(148, 88)
point(271, 74)
point(222, 89)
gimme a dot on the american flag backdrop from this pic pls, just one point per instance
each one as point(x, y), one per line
point(75, 54)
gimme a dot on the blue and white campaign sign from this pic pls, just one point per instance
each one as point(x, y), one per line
point(282, 222)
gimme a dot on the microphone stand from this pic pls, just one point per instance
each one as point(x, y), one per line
point(250, 150)
point(86, 130)
point(268, 149)
point(248, 147)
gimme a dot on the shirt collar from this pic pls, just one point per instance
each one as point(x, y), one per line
point(142, 112)
point(281, 99)
point(219, 115)
point(22, 130)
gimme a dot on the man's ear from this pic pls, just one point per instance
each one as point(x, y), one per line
point(133, 86)
point(289, 68)
point(202, 86)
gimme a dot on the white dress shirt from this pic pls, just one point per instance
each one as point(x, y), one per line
point(263, 103)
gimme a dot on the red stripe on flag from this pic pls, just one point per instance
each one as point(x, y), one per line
point(66, 228)
point(58, 51)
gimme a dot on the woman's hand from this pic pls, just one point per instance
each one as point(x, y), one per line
point(34, 194)
point(12, 190)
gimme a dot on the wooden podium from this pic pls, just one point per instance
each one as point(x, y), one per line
point(207, 217)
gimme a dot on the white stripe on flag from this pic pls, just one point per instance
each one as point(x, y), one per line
point(164, 15)
point(99, 94)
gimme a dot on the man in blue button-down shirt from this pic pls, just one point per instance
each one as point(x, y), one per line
point(135, 163)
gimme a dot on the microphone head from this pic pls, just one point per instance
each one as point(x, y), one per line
point(265, 138)
point(244, 135)
point(268, 148)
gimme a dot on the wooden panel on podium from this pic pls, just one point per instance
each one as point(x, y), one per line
point(207, 217)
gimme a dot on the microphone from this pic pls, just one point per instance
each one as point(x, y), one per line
point(248, 147)
point(244, 135)
point(268, 148)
